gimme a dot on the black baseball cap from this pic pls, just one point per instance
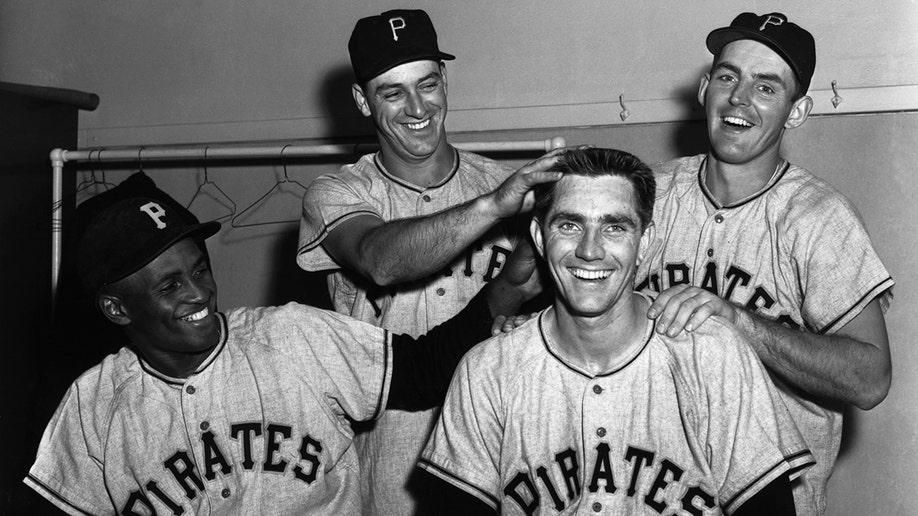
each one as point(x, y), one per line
point(382, 42)
point(124, 237)
point(794, 44)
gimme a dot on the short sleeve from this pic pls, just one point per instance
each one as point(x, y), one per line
point(464, 448)
point(328, 202)
point(68, 470)
point(840, 272)
point(748, 432)
point(350, 360)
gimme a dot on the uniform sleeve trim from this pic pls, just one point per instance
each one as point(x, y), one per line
point(855, 309)
point(387, 375)
point(54, 497)
point(792, 466)
point(312, 244)
point(447, 476)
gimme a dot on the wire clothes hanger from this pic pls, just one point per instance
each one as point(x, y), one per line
point(86, 184)
point(279, 184)
point(219, 197)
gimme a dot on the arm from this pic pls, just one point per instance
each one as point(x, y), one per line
point(423, 367)
point(408, 249)
point(437, 497)
point(775, 499)
point(851, 366)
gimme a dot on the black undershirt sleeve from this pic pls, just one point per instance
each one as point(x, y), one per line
point(775, 499)
point(422, 368)
point(437, 497)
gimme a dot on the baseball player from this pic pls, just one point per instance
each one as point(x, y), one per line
point(410, 233)
point(243, 412)
point(743, 233)
point(585, 409)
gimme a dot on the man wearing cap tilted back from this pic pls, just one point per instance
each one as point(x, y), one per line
point(243, 412)
point(409, 233)
point(744, 234)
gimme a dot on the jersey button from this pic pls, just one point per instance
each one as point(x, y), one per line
point(190, 389)
point(441, 291)
point(597, 507)
point(601, 432)
point(205, 425)
point(225, 493)
point(710, 253)
point(426, 198)
point(597, 389)
point(718, 218)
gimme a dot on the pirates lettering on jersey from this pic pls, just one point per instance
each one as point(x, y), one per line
point(464, 265)
point(735, 285)
point(261, 448)
point(559, 481)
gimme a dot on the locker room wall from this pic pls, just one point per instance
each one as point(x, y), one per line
point(174, 72)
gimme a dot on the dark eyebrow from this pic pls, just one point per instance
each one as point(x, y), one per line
point(771, 77)
point(608, 218)
point(393, 85)
point(623, 220)
point(566, 215)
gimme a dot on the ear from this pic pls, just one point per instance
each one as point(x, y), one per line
point(646, 239)
point(113, 309)
point(799, 112)
point(535, 231)
point(443, 75)
point(703, 87)
point(360, 99)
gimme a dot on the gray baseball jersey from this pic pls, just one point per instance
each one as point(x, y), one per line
point(684, 425)
point(796, 252)
point(389, 451)
point(260, 428)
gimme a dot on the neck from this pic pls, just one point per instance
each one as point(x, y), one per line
point(599, 344)
point(173, 364)
point(431, 170)
point(730, 183)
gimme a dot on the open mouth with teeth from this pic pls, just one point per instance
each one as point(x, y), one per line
point(197, 316)
point(418, 126)
point(590, 275)
point(734, 121)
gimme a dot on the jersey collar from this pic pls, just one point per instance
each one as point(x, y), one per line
point(221, 344)
point(779, 172)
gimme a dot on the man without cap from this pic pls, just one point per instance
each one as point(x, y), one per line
point(409, 233)
point(744, 234)
point(242, 412)
point(585, 409)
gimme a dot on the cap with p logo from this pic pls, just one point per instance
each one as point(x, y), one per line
point(382, 42)
point(129, 234)
point(794, 44)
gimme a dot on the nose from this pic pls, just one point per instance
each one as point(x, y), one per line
point(414, 105)
point(590, 247)
point(740, 94)
point(197, 289)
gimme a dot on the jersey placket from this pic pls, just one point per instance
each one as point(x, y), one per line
point(705, 268)
point(194, 396)
point(438, 293)
point(597, 414)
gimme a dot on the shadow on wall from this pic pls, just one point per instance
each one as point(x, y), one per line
point(691, 137)
point(345, 119)
point(291, 283)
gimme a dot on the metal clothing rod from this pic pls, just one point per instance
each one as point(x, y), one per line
point(225, 151)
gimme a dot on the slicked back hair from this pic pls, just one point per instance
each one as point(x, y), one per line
point(596, 162)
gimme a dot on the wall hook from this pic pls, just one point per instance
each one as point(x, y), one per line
point(625, 113)
point(836, 98)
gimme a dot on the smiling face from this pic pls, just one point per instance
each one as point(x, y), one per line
point(592, 240)
point(168, 308)
point(749, 101)
point(408, 106)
